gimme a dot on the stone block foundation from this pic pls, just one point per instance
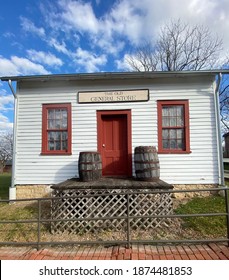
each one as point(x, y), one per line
point(36, 191)
point(32, 191)
point(186, 195)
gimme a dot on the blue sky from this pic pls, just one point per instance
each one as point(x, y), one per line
point(70, 36)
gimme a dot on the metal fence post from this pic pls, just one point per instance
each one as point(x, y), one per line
point(227, 211)
point(39, 225)
point(128, 220)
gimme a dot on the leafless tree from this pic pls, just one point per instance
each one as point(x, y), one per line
point(179, 47)
point(6, 149)
point(224, 102)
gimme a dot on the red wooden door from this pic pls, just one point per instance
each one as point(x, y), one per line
point(113, 141)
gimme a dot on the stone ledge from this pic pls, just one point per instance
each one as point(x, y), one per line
point(181, 198)
point(32, 191)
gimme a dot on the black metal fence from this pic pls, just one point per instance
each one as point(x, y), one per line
point(42, 221)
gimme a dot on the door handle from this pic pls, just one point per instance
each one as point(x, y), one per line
point(103, 145)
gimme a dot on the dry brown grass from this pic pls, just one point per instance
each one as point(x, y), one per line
point(27, 232)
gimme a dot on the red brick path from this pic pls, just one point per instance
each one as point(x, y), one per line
point(137, 252)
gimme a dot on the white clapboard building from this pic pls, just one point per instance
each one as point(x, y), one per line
point(58, 116)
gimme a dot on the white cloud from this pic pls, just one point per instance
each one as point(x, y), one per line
point(44, 58)
point(79, 15)
point(140, 19)
point(28, 26)
point(60, 47)
point(7, 67)
point(122, 64)
point(6, 105)
point(20, 66)
point(88, 60)
point(26, 67)
point(6, 101)
point(5, 123)
point(107, 45)
point(3, 118)
point(9, 35)
point(126, 19)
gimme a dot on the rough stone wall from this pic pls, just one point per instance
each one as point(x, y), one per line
point(185, 196)
point(32, 191)
point(35, 191)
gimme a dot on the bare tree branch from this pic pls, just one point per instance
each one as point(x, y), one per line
point(6, 148)
point(179, 47)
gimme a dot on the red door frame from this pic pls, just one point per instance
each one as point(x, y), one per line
point(129, 136)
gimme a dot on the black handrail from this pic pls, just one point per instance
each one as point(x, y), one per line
point(128, 241)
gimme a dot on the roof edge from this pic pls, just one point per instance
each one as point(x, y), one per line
point(113, 75)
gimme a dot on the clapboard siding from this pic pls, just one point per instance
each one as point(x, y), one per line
point(198, 167)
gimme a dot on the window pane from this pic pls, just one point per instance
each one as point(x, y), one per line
point(165, 111)
point(180, 121)
point(64, 118)
point(165, 133)
point(173, 139)
point(173, 134)
point(51, 124)
point(51, 113)
point(58, 136)
point(180, 144)
point(165, 122)
point(64, 135)
point(180, 110)
point(57, 141)
point(180, 134)
point(172, 111)
point(64, 113)
point(165, 144)
point(173, 116)
point(57, 114)
point(51, 136)
point(64, 145)
point(173, 144)
point(57, 119)
point(51, 146)
point(64, 123)
point(58, 124)
point(51, 118)
point(57, 146)
point(173, 121)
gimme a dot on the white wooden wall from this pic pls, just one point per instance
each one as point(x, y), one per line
point(199, 167)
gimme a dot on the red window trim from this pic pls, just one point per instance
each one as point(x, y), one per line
point(186, 126)
point(44, 148)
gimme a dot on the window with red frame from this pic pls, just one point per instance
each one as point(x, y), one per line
point(56, 129)
point(173, 127)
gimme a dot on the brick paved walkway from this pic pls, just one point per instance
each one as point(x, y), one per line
point(137, 252)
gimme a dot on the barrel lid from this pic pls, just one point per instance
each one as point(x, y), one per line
point(89, 152)
point(145, 149)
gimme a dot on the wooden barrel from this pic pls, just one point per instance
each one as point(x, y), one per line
point(90, 166)
point(146, 163)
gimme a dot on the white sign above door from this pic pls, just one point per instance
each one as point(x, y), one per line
point(113, 96)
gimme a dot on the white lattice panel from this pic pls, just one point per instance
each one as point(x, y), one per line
point(108, 204)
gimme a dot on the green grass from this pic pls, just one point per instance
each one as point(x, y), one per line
point(13, 212)
point(203, 227)
point(17, 231)
point(206, 226)
point(5, 182)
